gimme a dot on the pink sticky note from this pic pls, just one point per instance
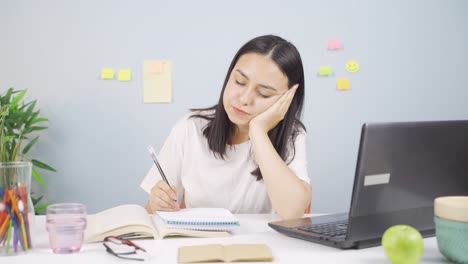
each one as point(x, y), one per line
point(156, 67)
point(334, 44)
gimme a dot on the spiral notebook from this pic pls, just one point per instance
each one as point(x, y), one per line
point(216, 219)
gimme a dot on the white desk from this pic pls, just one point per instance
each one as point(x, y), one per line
point(254, 229)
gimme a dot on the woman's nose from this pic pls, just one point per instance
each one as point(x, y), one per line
point(247, 96)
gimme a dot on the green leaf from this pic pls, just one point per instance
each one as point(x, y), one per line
point(37, 200)
point(38, 177)
point(37, 120)
point(34, 128)
point(29, 145)
point(42, 165)
point(16, 99)
point(40, 208)
point(6, 99)
point(5, 139)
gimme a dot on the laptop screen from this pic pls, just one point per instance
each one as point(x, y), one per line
point(405, 166)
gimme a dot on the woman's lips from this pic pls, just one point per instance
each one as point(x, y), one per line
point(239, 111)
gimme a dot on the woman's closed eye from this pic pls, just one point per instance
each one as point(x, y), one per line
point(240, 83)
point(263, 95)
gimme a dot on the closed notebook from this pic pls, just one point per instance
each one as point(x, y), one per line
point(218, 219)
point(227, 253)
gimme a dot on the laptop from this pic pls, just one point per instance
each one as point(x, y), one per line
point(401, 168)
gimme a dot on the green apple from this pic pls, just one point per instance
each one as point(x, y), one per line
point(402, 244)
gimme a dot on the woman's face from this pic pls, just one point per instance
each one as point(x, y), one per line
point(254, 85)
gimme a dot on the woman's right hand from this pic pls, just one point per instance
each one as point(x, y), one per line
point(162, 198)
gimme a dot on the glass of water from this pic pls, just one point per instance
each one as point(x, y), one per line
point(66, 223)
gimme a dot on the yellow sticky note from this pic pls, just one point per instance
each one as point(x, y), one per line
point(342, 84)
point(125, 75)
point(325, 71)
point(157, 81)
point(107, 73)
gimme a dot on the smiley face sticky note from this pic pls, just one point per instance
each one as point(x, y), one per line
point(352, 66)
point(342, 84)
point(334, 44)
point(107, 74)
point(325, 71)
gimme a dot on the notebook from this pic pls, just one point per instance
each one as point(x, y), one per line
point(213, 219)
point(133, 221)
point(224, 253)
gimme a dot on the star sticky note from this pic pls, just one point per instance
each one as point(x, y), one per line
point(334, 44)
point(107, 73)
point(342, 84)
point(325, 71)
point(125, 75)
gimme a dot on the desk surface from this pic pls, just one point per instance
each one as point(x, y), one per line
point(254, 229)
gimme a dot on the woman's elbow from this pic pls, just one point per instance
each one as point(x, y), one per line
point(302, 207)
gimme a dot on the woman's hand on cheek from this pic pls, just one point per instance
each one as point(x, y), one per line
point(267, 120)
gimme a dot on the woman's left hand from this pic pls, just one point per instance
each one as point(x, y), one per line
point(273, 115)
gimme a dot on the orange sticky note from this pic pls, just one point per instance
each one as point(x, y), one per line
point(342, 84)
point(156, 67)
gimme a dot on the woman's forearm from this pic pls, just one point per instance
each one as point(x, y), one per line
point(288, 194)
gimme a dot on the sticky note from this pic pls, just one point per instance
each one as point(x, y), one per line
point(124, 75)
point(342, 84)
point(157, 81)
point(352, 66)
point(325, 71)
point(156, 67)
point(107, 73)
point(334, 44)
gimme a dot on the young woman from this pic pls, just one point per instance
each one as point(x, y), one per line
point(248, 152)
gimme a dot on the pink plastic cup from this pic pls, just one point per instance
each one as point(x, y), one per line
point(66, 223)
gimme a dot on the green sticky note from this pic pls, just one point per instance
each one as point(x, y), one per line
point(107, 73)
point(325, 71)
point(125, 75)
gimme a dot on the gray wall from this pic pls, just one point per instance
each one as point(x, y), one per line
point(413, 67)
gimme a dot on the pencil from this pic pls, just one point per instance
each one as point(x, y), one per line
point(7, 249)
point(151, 151)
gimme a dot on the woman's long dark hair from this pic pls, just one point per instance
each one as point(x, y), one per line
point(219, 129)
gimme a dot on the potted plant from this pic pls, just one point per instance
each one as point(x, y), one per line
point(19, 123)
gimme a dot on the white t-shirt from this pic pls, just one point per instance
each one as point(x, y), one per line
point(203, 180)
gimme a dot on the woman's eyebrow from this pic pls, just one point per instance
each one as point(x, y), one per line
point(261, 85)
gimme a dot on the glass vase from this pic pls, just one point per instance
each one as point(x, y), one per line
point(16, 208)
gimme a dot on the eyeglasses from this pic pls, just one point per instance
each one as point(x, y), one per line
point(124, 248)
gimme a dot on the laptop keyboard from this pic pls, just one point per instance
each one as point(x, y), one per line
point(333, 229)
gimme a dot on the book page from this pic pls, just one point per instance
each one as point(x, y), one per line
point(118, 218)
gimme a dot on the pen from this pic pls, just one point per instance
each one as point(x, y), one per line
point(153, 155)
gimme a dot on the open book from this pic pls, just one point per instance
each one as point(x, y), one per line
point(133, 221)
point(227, 253)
